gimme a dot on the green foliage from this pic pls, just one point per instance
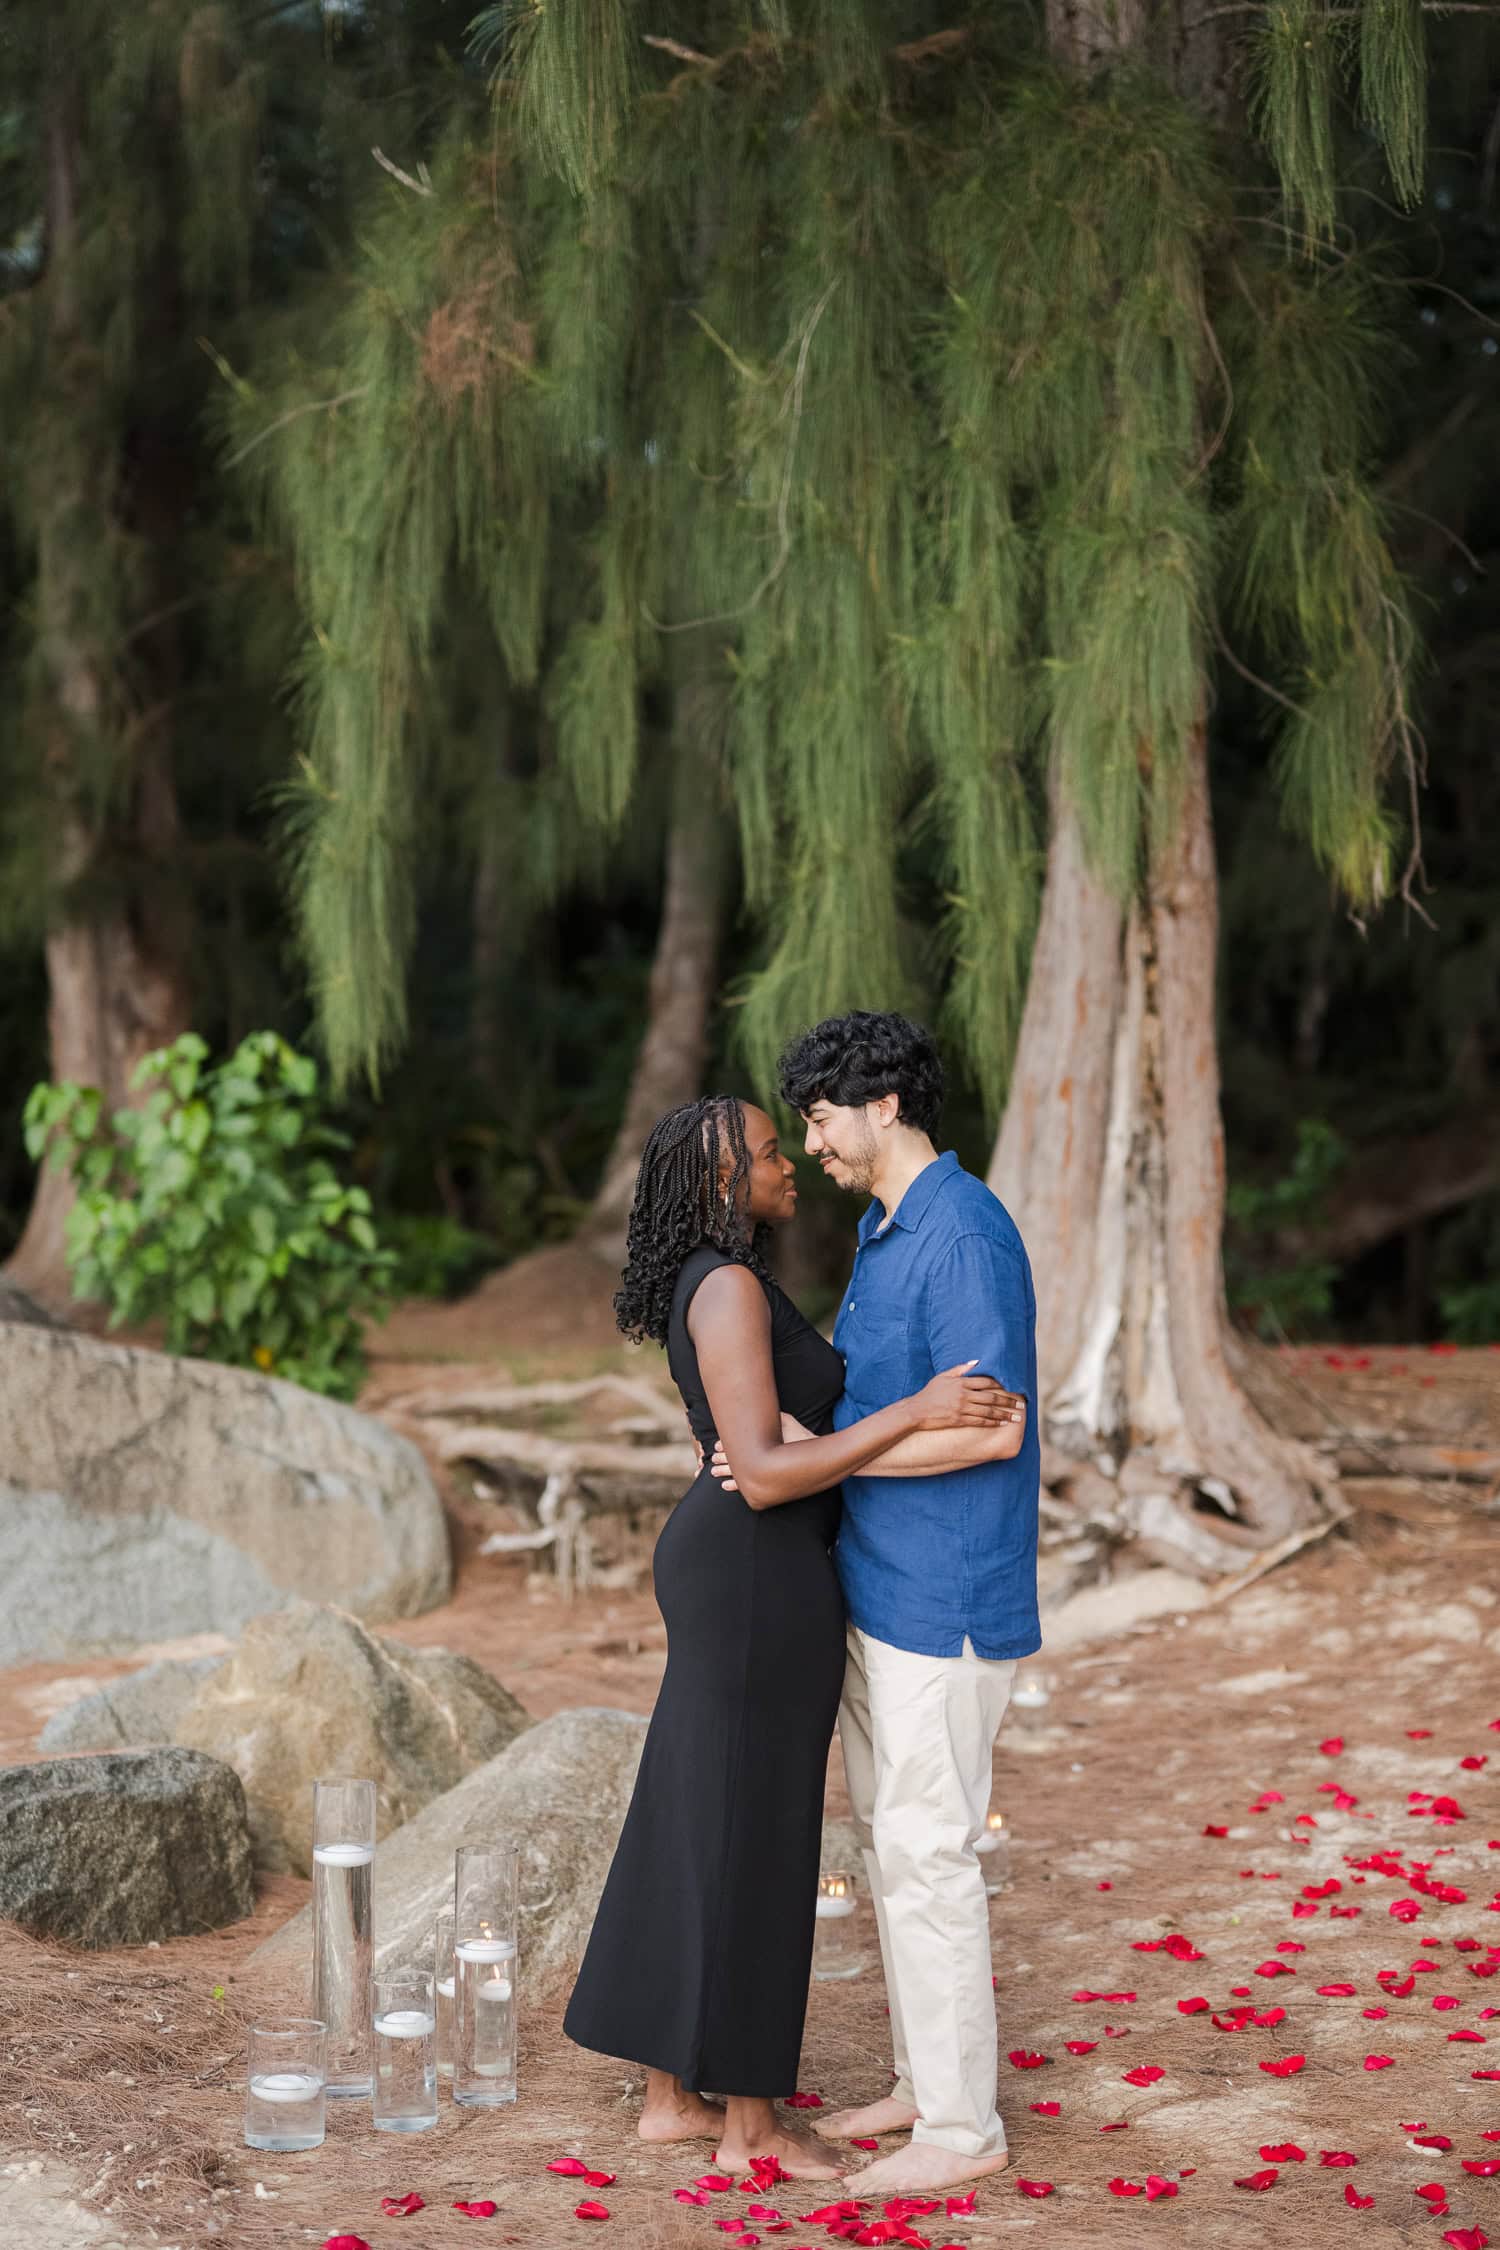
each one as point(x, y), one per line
point(434, 1255)
point(1472, 1316)
point(214, 1207)
point(1281, 1297)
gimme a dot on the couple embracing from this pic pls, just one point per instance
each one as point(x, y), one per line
point(859, 1546)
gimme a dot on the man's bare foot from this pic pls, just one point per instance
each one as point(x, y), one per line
point(684, 2117)
point(798, 2154)
point(922, 2166)
point(886, 2116)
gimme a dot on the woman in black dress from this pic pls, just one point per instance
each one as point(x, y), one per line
point(698, 1964)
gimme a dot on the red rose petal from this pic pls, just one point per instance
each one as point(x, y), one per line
point(598, 2179)
point(1192, 2007)
point(715, 2182)
point(1123, 2187)
point(1043, 2109)
point(1466, 2238)
point(1419, 1734)
point(346, 2242)
point(960, 2206)
point(1379, 2062)
point(690, 2195)
point(1157, 2187)
point(1285, 2066)
point(590, 2211)
point(484, 2210)
point(1357, 2202)
point(1337, 1991)
point(1144, 2074)
point(1332, 1746)
point(1034, 2187)
point(1481, 2167)
point(1080, 2046)
point(1468, 2038)
point(1021, 2058)
point(1257, 2182)
point(1332, 2158)
point(1474, 1764)
point(1216, 1831)
point(1433, 2140)
point(804, 2101)
point(1121, 2125)
point(864, 2144)
point(400, 2206)
point(1284, 2152)
point(1484, 2073)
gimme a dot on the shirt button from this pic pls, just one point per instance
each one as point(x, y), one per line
point(851, 1304)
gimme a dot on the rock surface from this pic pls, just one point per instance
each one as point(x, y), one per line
point(559, 1792)
point(308, 1692)
point(132, 1713)
point(17, 1306)
point(124, 1848)
point(144, 1498)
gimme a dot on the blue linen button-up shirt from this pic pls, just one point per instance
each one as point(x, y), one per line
point(927, 1562)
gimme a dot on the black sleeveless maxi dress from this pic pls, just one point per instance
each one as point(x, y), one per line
point(700, 1954)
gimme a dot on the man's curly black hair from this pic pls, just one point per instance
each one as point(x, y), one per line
point(854, 1059)
point(679, 1203)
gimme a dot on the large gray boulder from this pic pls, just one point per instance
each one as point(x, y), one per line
point(309, 1691)
point(17, 1306)
point(132, 1713)
point(559, 1793)
point(144, 1498)
point(124, 1848)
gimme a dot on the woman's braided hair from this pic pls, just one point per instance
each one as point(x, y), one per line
point(679, 1203)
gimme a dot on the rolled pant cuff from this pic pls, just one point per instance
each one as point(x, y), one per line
point(959, 2140)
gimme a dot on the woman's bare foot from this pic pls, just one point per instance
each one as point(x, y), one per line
point(886, 2116)
point(798, 2154)
point(920, 2168)
point(671, 2113)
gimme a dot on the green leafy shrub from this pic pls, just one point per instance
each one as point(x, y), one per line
point(1278, 1296)
point(215, 1207)
point(435, 1256)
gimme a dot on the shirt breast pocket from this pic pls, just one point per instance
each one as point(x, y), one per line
point(886, 1359)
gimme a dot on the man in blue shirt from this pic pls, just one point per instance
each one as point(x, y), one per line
point(937, 1556)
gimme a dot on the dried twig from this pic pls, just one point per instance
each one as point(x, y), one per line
point(421, 185)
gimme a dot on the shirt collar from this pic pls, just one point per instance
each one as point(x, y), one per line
point(913, 1207)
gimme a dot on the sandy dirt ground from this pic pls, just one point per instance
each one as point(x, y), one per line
point(1194, 1782)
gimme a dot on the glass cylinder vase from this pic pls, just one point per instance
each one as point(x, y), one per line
point(443, 1968)
point(343, 1886)
point(836, 1946)
point(285, 2085)
point(403, 2022)
point(993, 1848)
point(484, 1954)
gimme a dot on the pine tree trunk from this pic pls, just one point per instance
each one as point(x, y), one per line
point(115, 963)
point(685, 969)
point(1111, 1157)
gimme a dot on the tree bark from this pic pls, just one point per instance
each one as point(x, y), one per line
point(115, 963)
point(1111, 1157)
point(685, 968)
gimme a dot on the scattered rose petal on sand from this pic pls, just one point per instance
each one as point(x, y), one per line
point(960, 2206)
point(1379, 2062)
point(1333, 2158)
point(1481, 2167)
point(1021, 2058)
point(1333, 1746)
point(1466, 2238)
point(571, 2167)
point(1157, 2187)
point(485, 2210)
point(1336, 1991)
point(690, 2195)
point(1144, 2074)
point(1196, 2007)
point(864, 2144)
point(590, 2211)
point(1283, 2152)
point(1285, 2066)
point(1258, 2182)
point(1080, 2046)
point(804, 2101)
point(346, 2242)
point(1355, 2200)
point(1431, 2140)
point(1120, 2125)
point(1124, 2187)
point(598, 2179)
point(1216, 1831)
point(1043, 2109)
point(1034, 2187)
point(400, 2206)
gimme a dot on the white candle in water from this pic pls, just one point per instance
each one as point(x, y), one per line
point(285, 2086)
point(344, 1855)
point(405, 2023)
point(493, 1988)
point(445, 1987)
point(834, 1909)
point(485, 1949)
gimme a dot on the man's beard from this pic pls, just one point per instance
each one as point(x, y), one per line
point(859, 1164)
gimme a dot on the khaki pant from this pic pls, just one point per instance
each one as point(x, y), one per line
point(918, 1733)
